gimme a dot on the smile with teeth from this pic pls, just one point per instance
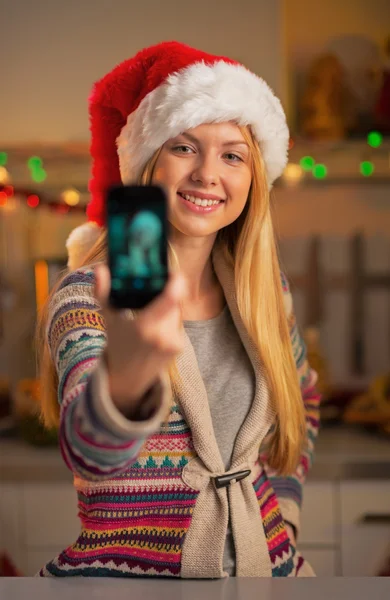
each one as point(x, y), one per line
point(199, 201)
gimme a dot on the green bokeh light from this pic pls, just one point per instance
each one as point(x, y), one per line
point(34, 162)
point(374, 139)
point(320, 171)
point(39, 175)
point(307, 163)
point(3, 159)
point(367, 168)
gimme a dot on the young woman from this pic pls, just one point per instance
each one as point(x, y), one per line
point(189, 426)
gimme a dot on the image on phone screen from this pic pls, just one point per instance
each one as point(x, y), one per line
point(137, 248)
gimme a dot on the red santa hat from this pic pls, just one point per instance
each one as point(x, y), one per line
point(162, 91)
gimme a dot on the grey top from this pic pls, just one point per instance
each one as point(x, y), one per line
point(238, 588)
point(229, 380)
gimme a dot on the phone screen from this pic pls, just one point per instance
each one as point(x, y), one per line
point(137, 244)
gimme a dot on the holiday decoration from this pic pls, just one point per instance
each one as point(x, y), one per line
point(325, 107)
point(38, 173)
point(320, 171)
point(374, 139)
point(382, 109)
point(36, 200)
point(367, 168)
point(373, 407)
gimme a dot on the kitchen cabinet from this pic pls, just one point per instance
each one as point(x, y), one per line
point(37, 521)
point(365, 526)
point(318, 538)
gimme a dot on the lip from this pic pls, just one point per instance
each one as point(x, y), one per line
point(199, 209)
point(200, 195)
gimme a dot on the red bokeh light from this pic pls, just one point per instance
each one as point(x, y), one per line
point(9, 190)
point(3, 198)
point(62, 209)
point(33, 201)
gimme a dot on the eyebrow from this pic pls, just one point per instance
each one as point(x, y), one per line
point(229, 143)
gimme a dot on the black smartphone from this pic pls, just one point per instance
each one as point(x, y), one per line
point(137, 234)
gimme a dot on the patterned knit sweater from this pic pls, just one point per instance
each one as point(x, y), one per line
point(147, 499)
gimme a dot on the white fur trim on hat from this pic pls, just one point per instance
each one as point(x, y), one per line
point(200, 94)
point(80, 242)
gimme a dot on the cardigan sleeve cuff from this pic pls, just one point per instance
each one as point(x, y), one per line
point(153, 410)
point(291, 512)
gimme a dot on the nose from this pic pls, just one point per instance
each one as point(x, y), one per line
point(206, 171)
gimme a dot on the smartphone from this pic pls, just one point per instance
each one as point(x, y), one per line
point(137, 244)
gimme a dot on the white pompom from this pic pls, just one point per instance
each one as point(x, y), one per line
point(80, 241)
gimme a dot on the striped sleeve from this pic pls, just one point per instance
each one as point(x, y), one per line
point(96, 440)
point(289, 489)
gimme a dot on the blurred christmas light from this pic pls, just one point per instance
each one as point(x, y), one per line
point(34, 162)
point(291, 143)
point(367, 168)
point(374, 139)
point(71, 197)
point(293, 173)
point(320, 171)
point(38, 175)
point(3, 159)
point(61, 209)
point(307, 163)
point(33, 201)
point(41, 282)
point(4, 176)
point(3, 198)
point(9, 190)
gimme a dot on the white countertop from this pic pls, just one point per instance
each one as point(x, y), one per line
point(351, 444)
point(341, 453)
point(251, 588)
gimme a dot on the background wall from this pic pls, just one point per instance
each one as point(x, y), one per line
point(56, 50)
point(341, 210)
point(309, 24)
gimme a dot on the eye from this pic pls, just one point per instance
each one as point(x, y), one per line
point(233, 157)
point(182, 149)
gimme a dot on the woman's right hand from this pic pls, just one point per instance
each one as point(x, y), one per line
point(139, 349)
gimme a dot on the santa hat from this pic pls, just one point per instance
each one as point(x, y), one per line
point(162, 91)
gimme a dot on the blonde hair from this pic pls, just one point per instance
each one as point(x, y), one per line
point(250, 248)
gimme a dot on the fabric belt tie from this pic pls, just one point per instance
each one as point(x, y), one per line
point(205, 540)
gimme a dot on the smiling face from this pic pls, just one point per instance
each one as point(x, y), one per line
point(207, 174)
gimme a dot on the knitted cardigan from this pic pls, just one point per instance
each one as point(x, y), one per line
point(147, 496)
